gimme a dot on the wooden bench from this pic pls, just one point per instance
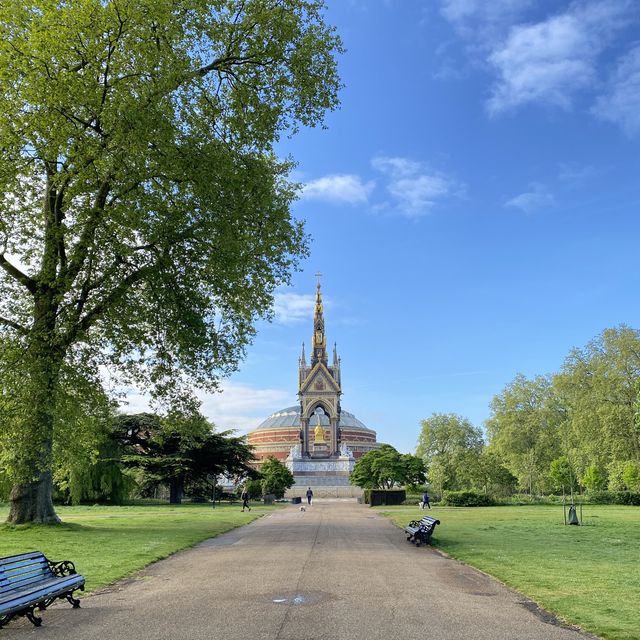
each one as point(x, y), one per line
point(419, 531)
point(29, 581)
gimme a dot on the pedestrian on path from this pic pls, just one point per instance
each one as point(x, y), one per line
point(425, 501)
point(309, 496)
point(245, 499)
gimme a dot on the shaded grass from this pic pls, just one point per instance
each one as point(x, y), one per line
point(589, 575)
point(109, 543)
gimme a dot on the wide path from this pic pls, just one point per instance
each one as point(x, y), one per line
point(336, 571)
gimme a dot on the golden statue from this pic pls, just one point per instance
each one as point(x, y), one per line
point(319, 433)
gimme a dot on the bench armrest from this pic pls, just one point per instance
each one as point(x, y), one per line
point(62, 568)
point(414, 523)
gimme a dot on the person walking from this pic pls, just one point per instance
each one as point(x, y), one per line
point(425, 500)
point(309, 496)
point(245, 499)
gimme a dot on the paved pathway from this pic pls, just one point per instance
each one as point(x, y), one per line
point(336, 571)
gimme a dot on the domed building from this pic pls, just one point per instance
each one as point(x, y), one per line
point(316, 439)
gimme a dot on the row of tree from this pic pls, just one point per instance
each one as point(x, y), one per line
point(146, 455)
point(578, 428)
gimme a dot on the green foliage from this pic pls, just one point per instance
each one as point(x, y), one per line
point(615, 497)
point(631, 475)
point(594, 479)
point(562, 475)
point(182, 451)
point(385, 468)
point(276, 477)
point(142, 201)
point(523, 430)
point(254, 488)
point(466, 499)
point(449, 445)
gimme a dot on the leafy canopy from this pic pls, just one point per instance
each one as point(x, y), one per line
point(144, 216)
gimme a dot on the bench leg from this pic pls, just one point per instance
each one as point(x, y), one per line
point(74, 601)
point(6, 619)
point(32, 617)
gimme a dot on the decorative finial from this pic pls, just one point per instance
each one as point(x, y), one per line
point(318, 275)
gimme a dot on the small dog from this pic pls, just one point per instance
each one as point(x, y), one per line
point(302, 509)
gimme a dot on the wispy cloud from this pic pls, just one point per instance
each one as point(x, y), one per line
point(236, 406)
point(621, 103)
point(291, 308)
point(535, 199)
point(244, 407)
point(339, 188)
point(483, 20)
point(414, 189)
point(549, 61)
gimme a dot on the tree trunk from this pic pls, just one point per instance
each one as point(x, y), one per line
point(176, 490)
point(31, 502)
point(31, 496)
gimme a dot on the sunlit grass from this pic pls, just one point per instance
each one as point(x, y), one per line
point(588, 575)
point(108, 543)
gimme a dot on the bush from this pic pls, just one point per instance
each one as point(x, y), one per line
point(615, 497)
point(467, 499)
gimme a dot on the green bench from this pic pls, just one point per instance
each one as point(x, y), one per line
point(29, 581)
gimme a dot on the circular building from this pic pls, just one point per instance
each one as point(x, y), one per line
point(281, 431)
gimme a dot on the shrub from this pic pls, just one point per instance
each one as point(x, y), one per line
point(377, 497)
point(615, 497)
point(467, 499)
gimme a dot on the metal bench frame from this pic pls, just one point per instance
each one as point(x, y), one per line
point(419, 531)
point(29, 581)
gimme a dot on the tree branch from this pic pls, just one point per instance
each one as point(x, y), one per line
point(14, 325)
point(26, 281)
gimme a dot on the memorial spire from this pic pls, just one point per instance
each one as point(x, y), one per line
point(319, 340)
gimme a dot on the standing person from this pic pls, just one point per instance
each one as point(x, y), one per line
point(425, 500)
point(309, 495)
point(245, 499)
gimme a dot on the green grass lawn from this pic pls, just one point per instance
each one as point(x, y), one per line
point(588, 575)
point(108, 543)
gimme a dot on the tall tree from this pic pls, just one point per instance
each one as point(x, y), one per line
point(385, 468)
point(144, 216)
point(182, 450)
point(524, 429)
point(447, 442)
point(598, 386)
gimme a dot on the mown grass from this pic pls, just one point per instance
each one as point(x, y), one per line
point(588, 575)
point(109, 543)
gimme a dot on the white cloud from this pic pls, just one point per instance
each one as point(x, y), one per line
point(530, 201)
point(621, 103)
point(237, 406)
point(291, 308)
point(482, 18)
point(243, 407)
point(414, 189)
point(339, 188)
point(550, 61)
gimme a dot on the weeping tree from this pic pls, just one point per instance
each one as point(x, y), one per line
point(144, 215)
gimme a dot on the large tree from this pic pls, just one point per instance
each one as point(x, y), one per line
point(181, 451)
point(144, 216)
point(525, 429)
point(385, 468)
point(447, 442)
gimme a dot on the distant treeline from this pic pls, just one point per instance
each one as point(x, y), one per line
point(577, 429)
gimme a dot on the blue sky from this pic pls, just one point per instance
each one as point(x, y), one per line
point(473, 207)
